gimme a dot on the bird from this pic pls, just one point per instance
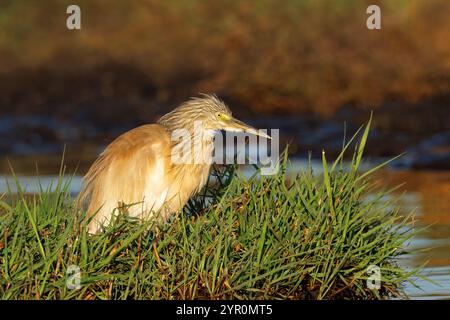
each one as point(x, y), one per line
point(140, 169)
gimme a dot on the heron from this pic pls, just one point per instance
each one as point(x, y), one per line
point(137, 169)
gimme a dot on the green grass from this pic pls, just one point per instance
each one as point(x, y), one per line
point(304, 237)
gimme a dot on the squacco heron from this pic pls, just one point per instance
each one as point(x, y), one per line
point(137, 169)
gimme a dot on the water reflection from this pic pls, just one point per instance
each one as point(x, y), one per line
point(428, 194)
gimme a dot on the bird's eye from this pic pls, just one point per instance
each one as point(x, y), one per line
point(219, 115)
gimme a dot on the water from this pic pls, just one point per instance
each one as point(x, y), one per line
point(427, 193)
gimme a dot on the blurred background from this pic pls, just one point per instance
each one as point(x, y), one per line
point(305, 67)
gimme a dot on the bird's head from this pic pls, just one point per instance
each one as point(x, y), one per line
point(213, 113)
point(225, 121)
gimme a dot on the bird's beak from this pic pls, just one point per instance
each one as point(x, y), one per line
point(235, 125)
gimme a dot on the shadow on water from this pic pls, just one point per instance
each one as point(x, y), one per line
point(427, 193)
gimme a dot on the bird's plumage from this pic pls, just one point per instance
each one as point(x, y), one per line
point(137, 172)
point(196, 109)
point(134, 170)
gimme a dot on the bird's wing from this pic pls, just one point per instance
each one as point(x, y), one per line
point(130, 170)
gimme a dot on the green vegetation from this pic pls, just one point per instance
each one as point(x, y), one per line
point(304, 237)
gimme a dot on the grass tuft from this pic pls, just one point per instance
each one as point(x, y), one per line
point(304, 237)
